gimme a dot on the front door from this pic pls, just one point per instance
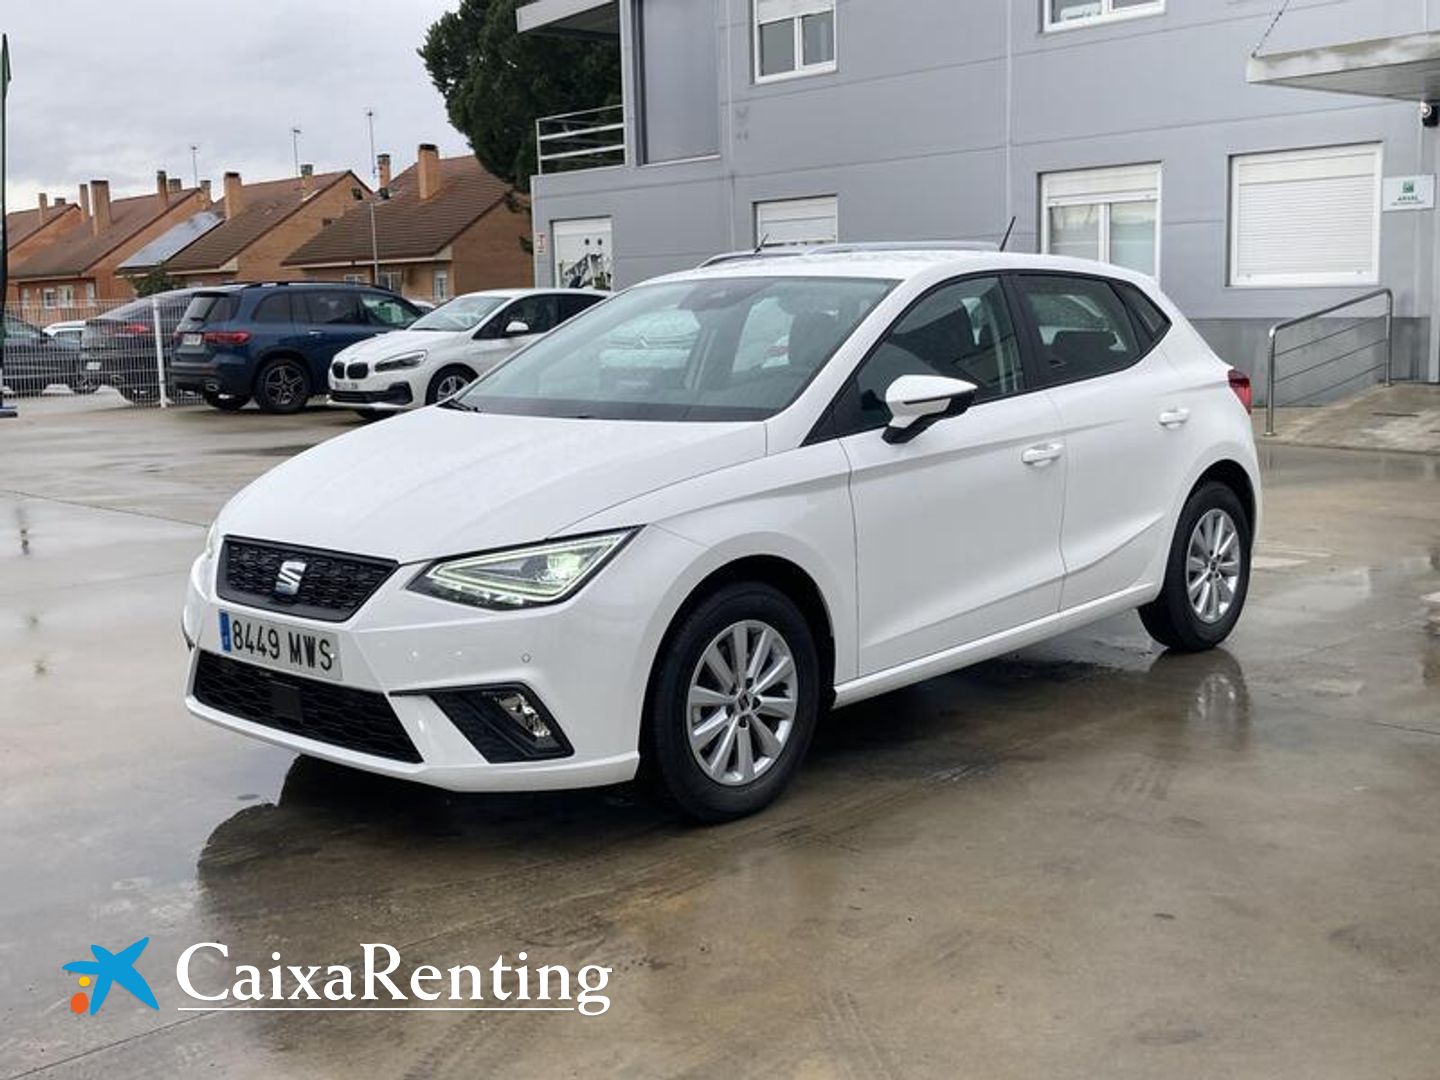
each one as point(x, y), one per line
point(957, 531)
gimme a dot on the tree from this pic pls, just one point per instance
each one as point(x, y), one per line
point(156, 281)
point(496, 82)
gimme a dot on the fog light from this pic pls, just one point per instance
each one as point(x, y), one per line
point(504, 723)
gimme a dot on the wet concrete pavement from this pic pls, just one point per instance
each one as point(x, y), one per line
point(1087, 859)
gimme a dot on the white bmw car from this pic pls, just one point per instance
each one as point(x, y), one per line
point(446, 349)
point(683, 525)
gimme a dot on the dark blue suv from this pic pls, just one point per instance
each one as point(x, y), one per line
point(274, 341)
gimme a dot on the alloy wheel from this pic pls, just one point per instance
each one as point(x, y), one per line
point(1212, 566)
point(284, 385)
point(741, 704)
point(449, 386)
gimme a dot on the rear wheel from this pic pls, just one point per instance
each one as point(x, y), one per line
point(282, 386)
point(448, 382)
point(1207, 576)
point(734, 703)
point(225, 402)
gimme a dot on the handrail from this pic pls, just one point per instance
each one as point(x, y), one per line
point(1388, 341)
point(585, 138)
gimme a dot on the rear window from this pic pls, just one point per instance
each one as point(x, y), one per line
point(209, 308)
point(1151, 317)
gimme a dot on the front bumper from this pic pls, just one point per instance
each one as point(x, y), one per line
point(587, 661)
point(391, 398)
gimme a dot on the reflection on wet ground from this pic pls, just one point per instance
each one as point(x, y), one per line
point(1084, 859)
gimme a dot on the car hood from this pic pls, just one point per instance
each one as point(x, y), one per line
point(395, 342)
point(439, 482)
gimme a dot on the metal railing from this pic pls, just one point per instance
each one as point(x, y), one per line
point(1353, 326)
point(588, 139)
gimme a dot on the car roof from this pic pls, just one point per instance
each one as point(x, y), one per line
point(897, 263)
point(510, 294)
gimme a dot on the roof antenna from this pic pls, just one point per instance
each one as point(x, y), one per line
point(1005, 240)
point(759, 247)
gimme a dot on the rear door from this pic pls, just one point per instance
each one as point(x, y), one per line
point(1112, 386)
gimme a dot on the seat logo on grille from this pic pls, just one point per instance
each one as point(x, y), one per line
point(287, 581)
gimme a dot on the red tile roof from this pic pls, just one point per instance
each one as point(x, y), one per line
point(81, 248)
point(405, 226)
point(265, 205)
point(23, 224)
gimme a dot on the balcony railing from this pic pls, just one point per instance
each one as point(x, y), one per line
point(588, 139)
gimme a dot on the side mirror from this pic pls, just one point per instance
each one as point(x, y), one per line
point(917, 401)
point(516, 328)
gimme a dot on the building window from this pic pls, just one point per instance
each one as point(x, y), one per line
point(441, 292)
point(356, 279)
point(47, 298)
point(1112, 215)
point(1306, 218)
point(394, 280)
point(90, 291)
point(1067, 14)
point(794, 37)
point(584, 255)
point(797, 222)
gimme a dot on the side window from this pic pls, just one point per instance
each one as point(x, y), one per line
point(571, 305)
point(274, 308)
point(539, 312)
point(382, 310)
point(961, 330)
point(1083, 327)
point(333, 308)
point(1155, 322)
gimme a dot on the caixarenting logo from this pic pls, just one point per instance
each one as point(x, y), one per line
point(373, 985)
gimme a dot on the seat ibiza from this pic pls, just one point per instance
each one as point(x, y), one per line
point(674, 532)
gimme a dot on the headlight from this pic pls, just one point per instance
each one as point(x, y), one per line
point(521, 577)
point(212, 540)
point(399, 363)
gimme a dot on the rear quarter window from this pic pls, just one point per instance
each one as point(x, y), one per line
point(208, 309)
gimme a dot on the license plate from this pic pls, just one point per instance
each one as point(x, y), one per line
point(92, 365)
point(305, 652)
point(344, 384)
point(192, 339)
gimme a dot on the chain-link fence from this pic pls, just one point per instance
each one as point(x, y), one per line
point(87, 345)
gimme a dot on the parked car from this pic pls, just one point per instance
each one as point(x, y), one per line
point(592, 558)
point(444, 351)
point(118, 348)
point(66, 330)
point(274, 342)
point(33, 360)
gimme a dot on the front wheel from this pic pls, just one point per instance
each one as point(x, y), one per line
point(1207, 576)
point(448, 382)
point(282, 386)
point(733, 704)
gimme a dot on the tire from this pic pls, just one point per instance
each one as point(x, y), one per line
point(224, 402)
point(282, 386)
point(448, 381)
point(735, 715)
point(84, 386)
point(140, 395)
point(1219, 583)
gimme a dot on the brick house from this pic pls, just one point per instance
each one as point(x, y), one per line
point(82, 264)
point(448, 227)
point(29, 231)
point(261, 224)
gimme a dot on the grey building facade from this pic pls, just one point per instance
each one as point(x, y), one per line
point(1125, 128)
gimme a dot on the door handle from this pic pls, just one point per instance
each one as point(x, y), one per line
point(1173, 418)
point(314, 333)
point(1042, 455)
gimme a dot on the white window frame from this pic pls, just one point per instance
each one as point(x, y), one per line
point(1304, 281)
point(1105, 195)
point(1108, 13)
point(357, 279)
point(394, 280)
point(760, 205)
point(440, 286)
point(801, 69)
point(48, 297)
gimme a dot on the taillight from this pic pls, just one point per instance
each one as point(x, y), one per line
point(135, 328)
point(227, 337)
point(1240, 383)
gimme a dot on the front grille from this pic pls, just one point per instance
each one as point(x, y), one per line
point(339, 715)
point(397, 394)
point(337, 369)
point(332, 585)
point(357, 371)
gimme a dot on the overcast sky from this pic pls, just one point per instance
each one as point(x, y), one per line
point(115, 89)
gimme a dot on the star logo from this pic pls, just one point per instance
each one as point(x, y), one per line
point(106, 970)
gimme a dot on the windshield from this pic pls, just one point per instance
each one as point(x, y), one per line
point(717, 349)
point(462, 313)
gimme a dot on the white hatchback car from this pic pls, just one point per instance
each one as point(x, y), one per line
point(680, 527)
point(446, 349)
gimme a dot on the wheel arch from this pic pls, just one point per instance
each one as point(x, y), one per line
point(1237, 478)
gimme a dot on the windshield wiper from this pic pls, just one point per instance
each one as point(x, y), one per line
point(460, 406)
